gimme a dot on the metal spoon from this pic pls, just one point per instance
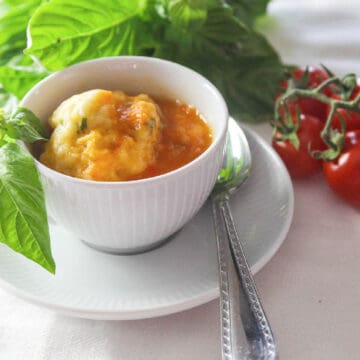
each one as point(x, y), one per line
point(245, 330)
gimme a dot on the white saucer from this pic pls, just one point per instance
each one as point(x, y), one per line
point(176, 276)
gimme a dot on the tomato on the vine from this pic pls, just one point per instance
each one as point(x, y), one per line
point(355, 92)
point(352, 119)
point(343, 173)
point(307, 105)
point(299, 162)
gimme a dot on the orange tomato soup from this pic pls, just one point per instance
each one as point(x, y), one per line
point(185, 136)
point(110, 136)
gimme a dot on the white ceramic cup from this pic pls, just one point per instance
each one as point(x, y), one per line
point(131, 216)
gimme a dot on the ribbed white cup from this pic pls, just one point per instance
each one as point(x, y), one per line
point(135, 215)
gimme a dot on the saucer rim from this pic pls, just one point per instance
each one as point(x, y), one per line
point(175, 306)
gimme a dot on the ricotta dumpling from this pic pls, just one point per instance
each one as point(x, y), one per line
point(103, 135)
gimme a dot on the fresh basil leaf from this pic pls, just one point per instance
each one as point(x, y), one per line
point(183, 16)
point(204, 35)
point(14, 18)
point(221, 27)
point(21, 60)
point(239, 61)
point(2, 127)
point(208, 44)
point(64, 32)
point(19, 80)
point(25, 126)
point(250, 80)
point(23, 219)
point(247, 11)
point(15, 82)
point(187, 14)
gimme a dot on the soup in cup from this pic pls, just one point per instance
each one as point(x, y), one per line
point(135, 213)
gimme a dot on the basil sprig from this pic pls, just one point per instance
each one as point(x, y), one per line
point(23, 219)
point(217, 38)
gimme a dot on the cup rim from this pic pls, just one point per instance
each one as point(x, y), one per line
point(124, 183)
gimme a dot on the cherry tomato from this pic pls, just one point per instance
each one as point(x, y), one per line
point(352, 119)
point(307, 105)
point(299, 162)
point(311, 107)
point(355, 92)
point(315, 77)
point(343, 173)
point(352, 139)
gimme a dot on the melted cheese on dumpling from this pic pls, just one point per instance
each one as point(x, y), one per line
point(103, 135)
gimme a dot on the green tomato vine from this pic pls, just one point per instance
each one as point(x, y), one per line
point(285, 128)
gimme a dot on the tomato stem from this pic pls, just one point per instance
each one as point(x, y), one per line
point(334, 139)
point(326, 83)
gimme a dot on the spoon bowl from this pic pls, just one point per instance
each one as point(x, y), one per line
point(237, 161)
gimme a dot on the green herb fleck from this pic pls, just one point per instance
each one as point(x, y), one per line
point(151, 124)
point(83, 124)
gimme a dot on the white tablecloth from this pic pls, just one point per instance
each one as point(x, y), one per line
point(310, 289)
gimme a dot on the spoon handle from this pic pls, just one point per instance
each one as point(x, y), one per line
point(234, 343)
point(255, 323)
